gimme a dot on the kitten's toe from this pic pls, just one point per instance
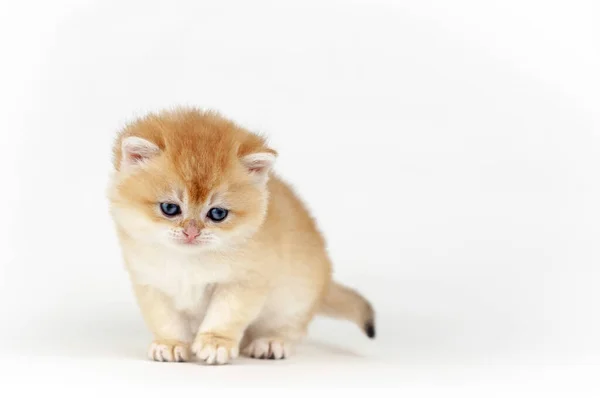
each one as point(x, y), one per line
point(215, 350)
point(168, 351)
point(266, 348)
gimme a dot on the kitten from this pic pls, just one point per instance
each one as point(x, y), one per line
point(222, 255)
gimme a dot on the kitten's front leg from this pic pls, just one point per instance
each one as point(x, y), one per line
point(169, 327)
point(231, 309)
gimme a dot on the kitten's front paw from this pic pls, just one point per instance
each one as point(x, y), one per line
point(168, 351)
point(214, 350)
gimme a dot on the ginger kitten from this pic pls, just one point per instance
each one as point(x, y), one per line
point(222, 255)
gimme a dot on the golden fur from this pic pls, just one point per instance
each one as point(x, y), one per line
point(253, 281)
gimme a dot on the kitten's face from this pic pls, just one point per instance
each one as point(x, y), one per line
point(190, 182)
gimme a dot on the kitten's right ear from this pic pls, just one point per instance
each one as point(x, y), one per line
point(135, 151)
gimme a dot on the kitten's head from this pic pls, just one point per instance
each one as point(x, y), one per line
point(189, 180)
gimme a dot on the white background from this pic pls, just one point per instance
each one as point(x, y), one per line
point(449, 150)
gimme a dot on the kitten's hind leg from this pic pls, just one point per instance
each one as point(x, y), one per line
point(269, 348)
point(283, 322)
point(274, 338)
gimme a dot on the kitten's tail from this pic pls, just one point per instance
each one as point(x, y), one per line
point(345, 303)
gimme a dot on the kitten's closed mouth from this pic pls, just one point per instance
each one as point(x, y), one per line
point(190, 242)
point(194, 242)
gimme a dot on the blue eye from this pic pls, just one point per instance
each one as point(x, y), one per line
point(217, 214)
point(170, 209)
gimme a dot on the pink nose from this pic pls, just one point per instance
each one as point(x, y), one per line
point(191, 232)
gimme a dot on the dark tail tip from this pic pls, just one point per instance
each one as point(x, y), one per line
point(370, 329)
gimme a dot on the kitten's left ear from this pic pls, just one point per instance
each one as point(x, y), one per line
point(260, 164)
point(135, 151)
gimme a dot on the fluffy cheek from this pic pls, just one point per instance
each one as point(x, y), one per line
point(246, 218)
point(235, 232)
point(140, 226)
point(134, 207)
